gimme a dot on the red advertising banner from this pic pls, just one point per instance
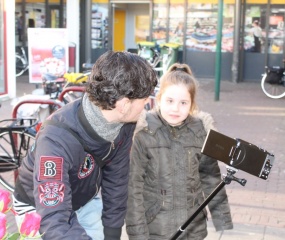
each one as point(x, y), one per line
point(48, 53)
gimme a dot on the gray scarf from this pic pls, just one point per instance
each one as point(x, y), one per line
point(104, 129)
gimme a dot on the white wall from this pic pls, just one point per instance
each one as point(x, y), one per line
point(133, 10)
point(10, 40)
point(72, 25)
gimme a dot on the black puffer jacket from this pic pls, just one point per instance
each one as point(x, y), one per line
point(169, 178)
point(59, 176)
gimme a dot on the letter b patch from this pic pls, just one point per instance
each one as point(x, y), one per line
point(51, 168)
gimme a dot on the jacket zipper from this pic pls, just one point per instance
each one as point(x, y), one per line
point(163, 193)
point(97, 188)
point(111, 147)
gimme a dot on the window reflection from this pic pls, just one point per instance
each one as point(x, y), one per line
point(201, 27)
point(202, 23)
point(176, 22)
point(254, 28)
point(159, 22)
point(276, 29)
point(99, 25)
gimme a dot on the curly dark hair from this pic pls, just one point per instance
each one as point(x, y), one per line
point(116, 75)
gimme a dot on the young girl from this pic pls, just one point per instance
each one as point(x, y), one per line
point(169, 177)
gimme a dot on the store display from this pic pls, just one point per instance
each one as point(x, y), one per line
point(99, 31)
point(201, 34)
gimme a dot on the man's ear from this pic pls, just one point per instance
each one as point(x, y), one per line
point(122, 105)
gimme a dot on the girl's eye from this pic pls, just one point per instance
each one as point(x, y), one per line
point(169, 101)
point(184, 103)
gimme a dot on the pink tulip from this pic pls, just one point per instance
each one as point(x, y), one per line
point(3, 222)
point(30, 225)
point(4, 200)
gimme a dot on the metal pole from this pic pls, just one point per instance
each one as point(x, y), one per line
point(218, 51)
point(199, 209)
point(184, 31)
point(236, 52)
point(88, 10)
point(226, 180)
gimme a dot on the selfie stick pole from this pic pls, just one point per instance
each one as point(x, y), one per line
point(226, 180)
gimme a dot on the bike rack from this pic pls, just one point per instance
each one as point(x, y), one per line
point(70, 89)
point(35, 101)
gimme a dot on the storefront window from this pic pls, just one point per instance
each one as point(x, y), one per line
point(228, 27)
point(2, 80)
point(159, 21)
point(176, 21)
point(141, 28)
point(99, 25)
point(254, 28)
point(201, 26)
point(202, 22)
point(35, 17)
point(276, 29)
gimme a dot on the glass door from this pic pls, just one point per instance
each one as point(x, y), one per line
point(160, 22)
point(276, 29)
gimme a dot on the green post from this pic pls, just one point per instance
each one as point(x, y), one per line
point(218, 51)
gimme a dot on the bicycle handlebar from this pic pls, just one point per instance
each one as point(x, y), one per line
point(76, 77)
point(18, 123)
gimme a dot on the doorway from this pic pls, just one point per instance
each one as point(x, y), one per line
point(119, 30)
point(55, 16)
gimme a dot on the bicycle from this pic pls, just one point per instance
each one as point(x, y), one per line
point(273, 81)
point(16, 137)
point(60, 90)
point(155, 60)
point(21, 61)
point(156, 57)
point(71, 83)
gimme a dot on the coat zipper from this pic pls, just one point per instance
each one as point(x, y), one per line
point(163, 193)
point(111, 147)
point(97, 188)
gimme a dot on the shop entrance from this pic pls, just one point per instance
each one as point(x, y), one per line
point(119, 30)
point(130, 25)
point(55, 16)
point(263, 43)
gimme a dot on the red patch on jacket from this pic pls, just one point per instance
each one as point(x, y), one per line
point(51, 168)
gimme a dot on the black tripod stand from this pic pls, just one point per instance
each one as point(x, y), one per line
point(226, 180)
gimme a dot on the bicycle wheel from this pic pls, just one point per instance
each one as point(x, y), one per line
point(274, 91)
point(20, 65)
point(11, 159)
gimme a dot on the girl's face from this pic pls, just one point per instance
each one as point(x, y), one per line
point(175, 103)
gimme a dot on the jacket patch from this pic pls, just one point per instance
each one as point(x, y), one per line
point(87, 167)
point(51, 168)
point(51, 193)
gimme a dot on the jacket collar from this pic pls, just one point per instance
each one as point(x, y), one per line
point(154, 122)
point(86, 125)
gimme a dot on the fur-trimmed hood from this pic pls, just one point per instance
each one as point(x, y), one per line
point(206, 118)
